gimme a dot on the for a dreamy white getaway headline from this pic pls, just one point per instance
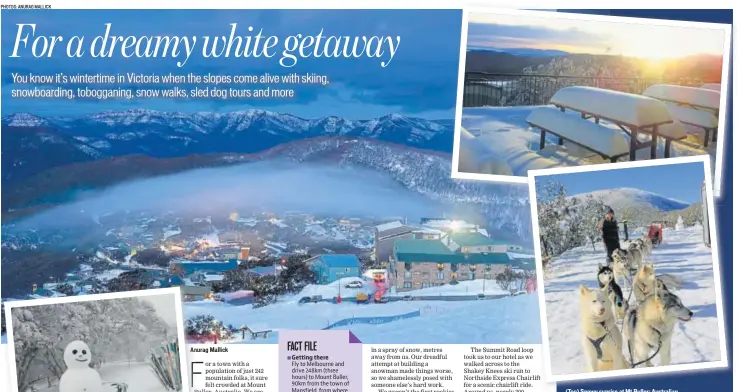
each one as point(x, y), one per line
point(30, 42)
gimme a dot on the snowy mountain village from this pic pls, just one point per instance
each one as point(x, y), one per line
point(404, 257)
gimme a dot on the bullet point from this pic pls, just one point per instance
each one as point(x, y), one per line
point(288, 358)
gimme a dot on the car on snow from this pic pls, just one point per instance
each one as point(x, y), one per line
point(356, 284)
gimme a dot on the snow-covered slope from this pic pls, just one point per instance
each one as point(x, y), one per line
point(441, 322)
point(683, 254)
point(622, 198)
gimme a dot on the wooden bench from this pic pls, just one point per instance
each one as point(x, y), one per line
point(698, 118)
point(255, 334)
point(608, 143)
point(631, 113)
point(699, 107)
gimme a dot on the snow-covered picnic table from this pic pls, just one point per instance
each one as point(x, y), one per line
point(699, 107)
point(631, 113)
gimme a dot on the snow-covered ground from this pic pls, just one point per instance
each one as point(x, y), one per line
point(682, 254)
point(504, 131)
point(137, 375)
point(469, 287)
point(331, 290)
point(508, 320)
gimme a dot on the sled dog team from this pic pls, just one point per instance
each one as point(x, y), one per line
point(647, 324)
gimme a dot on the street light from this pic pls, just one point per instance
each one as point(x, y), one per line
point(487, 268)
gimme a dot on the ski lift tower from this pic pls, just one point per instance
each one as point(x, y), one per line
point(705, 218)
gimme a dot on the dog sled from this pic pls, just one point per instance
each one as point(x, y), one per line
point(656, 233)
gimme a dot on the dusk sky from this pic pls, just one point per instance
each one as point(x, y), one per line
point(654, 42)
point(421, 81)
point(680, 181)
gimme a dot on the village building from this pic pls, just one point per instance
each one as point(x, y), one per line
point(195, 293)
point(187, 267)
point(387, 233)
point(421, 263)
point(329, 268)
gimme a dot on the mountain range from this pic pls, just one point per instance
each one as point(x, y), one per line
point(70, 140)
point(706, 68)
point(101, 150)
point(623, 199)
point(525, 52)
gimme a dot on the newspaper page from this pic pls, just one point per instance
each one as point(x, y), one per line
point(288, 172)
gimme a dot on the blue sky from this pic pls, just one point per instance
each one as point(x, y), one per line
point(421, 80)
point(681, 181)
point(647, 41)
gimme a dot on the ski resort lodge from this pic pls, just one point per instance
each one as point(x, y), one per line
point(441, 251)
point(422, 263)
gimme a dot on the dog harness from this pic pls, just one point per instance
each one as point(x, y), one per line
point(634, 322)
point(644, 288)
point(597, 343)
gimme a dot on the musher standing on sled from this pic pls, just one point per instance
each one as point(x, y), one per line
point(610, 233)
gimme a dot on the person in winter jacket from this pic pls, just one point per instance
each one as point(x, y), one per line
point(610, 233)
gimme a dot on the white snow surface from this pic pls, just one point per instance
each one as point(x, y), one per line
point(446, 322)
point(389, 226)
point(138, 376)
point(475, 157)
point(633, 109)
point(682, 254)
point(505, 136)
point(468, 287)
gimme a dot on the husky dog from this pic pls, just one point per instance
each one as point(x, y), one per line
point(606, 278)
point(647, 283)
point(620, 266)
point(636, 255)
point(648, 329)
point(645, 247)
point(601, 342)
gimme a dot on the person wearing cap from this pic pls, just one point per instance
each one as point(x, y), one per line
point(610, 233)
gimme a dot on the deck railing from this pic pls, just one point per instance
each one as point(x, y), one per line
point(498, 89)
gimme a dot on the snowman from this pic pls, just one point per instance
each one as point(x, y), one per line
point(79, 377)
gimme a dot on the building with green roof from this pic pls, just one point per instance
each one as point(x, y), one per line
point(421, 263)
